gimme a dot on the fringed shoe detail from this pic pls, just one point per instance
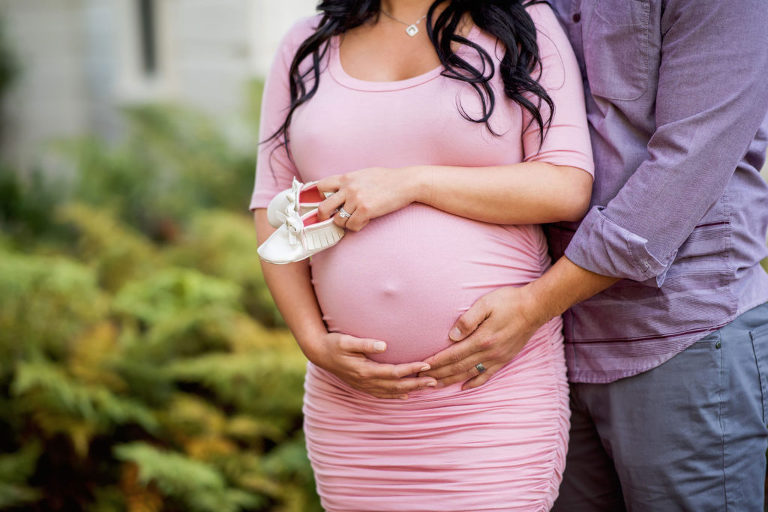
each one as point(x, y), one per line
point(299, 237)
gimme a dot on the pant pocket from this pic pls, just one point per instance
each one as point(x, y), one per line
point(759, 338)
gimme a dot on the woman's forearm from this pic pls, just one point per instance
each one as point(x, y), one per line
point(524, 193)
point(291, 288)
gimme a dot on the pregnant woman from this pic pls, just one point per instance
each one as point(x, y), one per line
point(447, 131)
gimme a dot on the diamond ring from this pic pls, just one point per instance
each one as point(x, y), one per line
point(480, 367)
point(344, 214)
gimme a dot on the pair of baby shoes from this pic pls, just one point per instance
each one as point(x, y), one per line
point(300, 233)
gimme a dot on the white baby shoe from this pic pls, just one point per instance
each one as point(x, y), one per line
point(299, 237)
point(301, 198)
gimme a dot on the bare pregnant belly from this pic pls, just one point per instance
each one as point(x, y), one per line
point(406, 277)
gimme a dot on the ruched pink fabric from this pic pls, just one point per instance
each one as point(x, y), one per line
point(498, 447)
point(406, 278)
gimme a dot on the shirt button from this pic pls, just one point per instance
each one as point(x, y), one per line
point(577, 17)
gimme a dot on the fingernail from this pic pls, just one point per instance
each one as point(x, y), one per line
point(431, 384)
point(425, 368)
point(455, 334)
point(380, 346)
point(403, 397)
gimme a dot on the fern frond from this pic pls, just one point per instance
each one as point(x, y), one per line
point(117, 252)
point(171, 291)
point(199, 486)
point(18, 467)
point(37, 313)
point(46, 387)
point(249, 381)
point(15, 495)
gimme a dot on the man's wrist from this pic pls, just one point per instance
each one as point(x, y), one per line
point(562, 286)
point(536, 309)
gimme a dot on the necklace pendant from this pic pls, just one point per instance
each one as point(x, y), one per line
point(412, 30)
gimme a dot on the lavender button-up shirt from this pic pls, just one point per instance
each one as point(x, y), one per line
point(677, 96)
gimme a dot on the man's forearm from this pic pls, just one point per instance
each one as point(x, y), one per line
point(562, 286)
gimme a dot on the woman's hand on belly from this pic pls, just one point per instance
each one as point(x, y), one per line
point(366, 194)
point(347, 358)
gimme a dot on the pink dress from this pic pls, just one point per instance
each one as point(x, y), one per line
point(407, 277)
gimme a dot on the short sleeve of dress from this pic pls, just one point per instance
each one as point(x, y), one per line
point(274, 169)
point(566, 142)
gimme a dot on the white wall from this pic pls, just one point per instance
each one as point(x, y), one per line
point(81, 61)
point(50, 97)
point(270, 20)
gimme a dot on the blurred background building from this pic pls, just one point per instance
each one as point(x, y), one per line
point(81, 60)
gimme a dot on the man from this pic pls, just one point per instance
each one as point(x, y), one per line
point(668, 359)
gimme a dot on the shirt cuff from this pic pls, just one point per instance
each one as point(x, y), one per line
point(603, 247)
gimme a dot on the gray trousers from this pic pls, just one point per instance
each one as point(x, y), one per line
point(689, 435)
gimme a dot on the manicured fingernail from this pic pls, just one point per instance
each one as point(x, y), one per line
point(455, 334)
point(380, 346)
point(403, 397)
point(425, 368)
point(431, 384)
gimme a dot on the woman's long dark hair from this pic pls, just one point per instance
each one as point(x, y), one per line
point(506, 20)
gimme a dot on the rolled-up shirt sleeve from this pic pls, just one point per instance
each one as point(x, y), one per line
point(711, 99)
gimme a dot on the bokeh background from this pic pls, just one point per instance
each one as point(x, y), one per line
point(143, 366)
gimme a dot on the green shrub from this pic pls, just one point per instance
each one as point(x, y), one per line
point(142, 377)
point(139, 365)
point(116, 252)
point(224, 244)
point(197, 486)
point(246, 381)
point(171, 163)
point(171, 291)
point(27, 203)
point(15, 470)
point(45, 302)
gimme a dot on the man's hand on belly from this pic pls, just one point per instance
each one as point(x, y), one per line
point(497, 327)
point(490, 334)
point(346, 357)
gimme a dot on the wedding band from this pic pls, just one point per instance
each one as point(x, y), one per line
point(480, 368)
point(344, 214)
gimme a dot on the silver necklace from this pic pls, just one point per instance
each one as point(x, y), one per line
point(410, 28)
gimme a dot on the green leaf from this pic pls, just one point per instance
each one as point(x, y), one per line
point(199, 486)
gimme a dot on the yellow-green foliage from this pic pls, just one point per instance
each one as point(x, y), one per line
point(198, 486)
point(116, 252)
point(171, 291)
point(223, 244)
point(171, 163)
point(15, 469)
point(45, 302)
point(141, 368)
